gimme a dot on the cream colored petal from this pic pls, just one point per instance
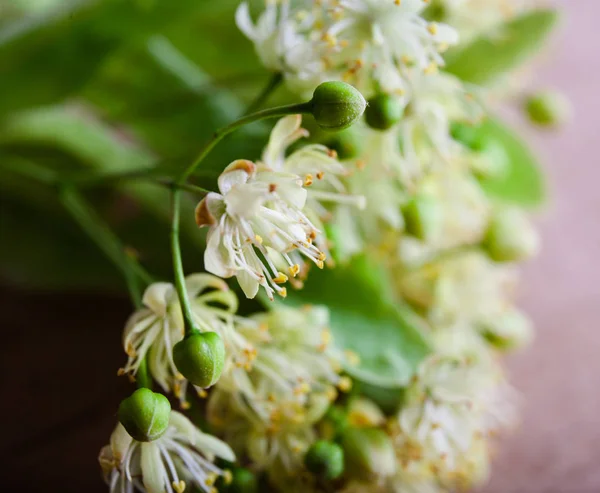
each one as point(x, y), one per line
point(157, 297)
point(154, 474)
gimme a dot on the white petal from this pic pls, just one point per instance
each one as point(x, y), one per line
point(197, 283)
point(157, 297)
point(286, 131)
point(154, 474)
point(216, 259)
point(244, 21)
point(120, 441)
point(212, 445)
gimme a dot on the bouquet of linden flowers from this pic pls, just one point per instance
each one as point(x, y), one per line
point(347, 328)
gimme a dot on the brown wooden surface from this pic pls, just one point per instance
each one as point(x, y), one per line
point(59, 353)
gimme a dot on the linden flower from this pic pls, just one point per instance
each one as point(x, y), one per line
point(152, 331)
point(269, 411)
point(324, 176)
point(183, 455)
point(388, 35)
point(474, 17)
point(282, 44)
point(450, 407)
point(257, 212)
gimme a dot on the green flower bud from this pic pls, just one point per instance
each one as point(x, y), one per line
point(508, 331)
point(325, 460)
point(238, 480)
point(369, 453)
point(548, 109)
point(510, 237)
point(423, 217)
point(383, 111)
point(336, 105)
point(200, 357)
point(145, 415)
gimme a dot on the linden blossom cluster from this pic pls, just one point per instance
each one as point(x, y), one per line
point(404, 188)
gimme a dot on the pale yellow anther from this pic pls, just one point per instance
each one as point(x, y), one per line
point(131, 378)
point(308, 180)
point(320, 264)
point(331, 394)
point(303, 388)
point(345, 384)
point(294, 270)
point(330, 39)
point(281, 278)
point(178, 486)
point(227, 476)
point(177, 390)
point(185, 405)
point(203, 394)
point(321, 174)
point(398, 2)
point(258, 239)
point(322, 256)
point(121, 372)
point(432, 68)
point(326, 336)
point(432, 27)
point(211, 479)
point(130, 350)
point(179, 376)
point(283, 292)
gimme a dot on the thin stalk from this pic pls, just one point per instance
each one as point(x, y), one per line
point(274, 81)
point(290, 109)
point(178, 264)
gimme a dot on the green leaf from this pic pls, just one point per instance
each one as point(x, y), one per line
point(522, 182)
point(46, 57)
point(489, 56)
point(366, 319)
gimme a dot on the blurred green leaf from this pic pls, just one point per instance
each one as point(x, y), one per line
point(46, 57)
point(365, 319)
point(523, 182)
point(489, 56)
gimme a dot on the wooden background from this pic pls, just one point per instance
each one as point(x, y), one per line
point(59, 353)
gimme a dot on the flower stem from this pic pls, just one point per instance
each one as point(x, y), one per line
point(290, 109)
point(108, 242)
point(178, 264)
point(274, 81)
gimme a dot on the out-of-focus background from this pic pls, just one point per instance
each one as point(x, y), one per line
point(58, 411)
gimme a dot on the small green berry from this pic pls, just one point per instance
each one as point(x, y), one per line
point(325, 459)
point(548, 109)
point(336, 105)
point(423, 217)
point(383, 111)
point(238, 480)
point(369, 453)
point(200, 357)
point(510, 236)
point(145, 415)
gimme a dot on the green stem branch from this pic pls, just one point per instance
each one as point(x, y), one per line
point(178, 264)
point(290, 109)
point(274, 81)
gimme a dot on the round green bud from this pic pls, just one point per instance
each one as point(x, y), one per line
point(423, 217)
point(200, 357)
point(369, 453)
point(336, 105)
point(548, 109)
point(145, 415)
point(383, 111)
point(238, 480)
point(325, 460)
point(510, 237)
